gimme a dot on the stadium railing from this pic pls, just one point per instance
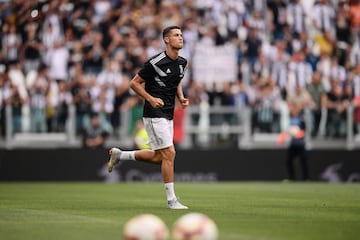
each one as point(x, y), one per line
point(205, 126)
point(27, 139)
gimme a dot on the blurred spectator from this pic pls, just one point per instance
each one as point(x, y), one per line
point(342, 32)
point(57, 59)
point(277, 9)
point(191, 36)
point(179, 123)
point(117, 89)
point(252, 48)
point(16, 101)
point(51, 104)
point(49, 36)
point(52, 18)
point(324, 68)
point(220, 95)
point(31, 49)
point(103, 106)
point(141, 137)
point(101, 7)
point(257, 22)
point(94, 52)
point(311, 50)
point(2, 104)
point(155, 46)
point(267, 106)
point(83, 101)
point(337, 103)
point(94, 135)
point(11, 43)
point(297, 146)
point(355, 84)
point(17, 78)
point(318, 96)
point(262, 68)
point(337, 72)
point(300, 99)
point(323, 16)
point(241, 96)
point(133, 104)
point(169, 14)
point(65, 99)
point(77, 54)
point(296, 17)
point(235, 13)
point(355, 80)
point(301, 73)
point(278, 51)
point(356, 103)
point(355, 52)
point(279, 73)
point(38, 94)
point(354, 12)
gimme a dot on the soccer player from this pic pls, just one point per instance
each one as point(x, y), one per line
point(158, 82)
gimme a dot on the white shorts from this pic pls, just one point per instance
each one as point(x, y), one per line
point(160, 132)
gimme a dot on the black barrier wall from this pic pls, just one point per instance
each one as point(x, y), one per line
point(209, 165)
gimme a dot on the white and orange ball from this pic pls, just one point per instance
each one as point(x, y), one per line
point(145, 227)
point(294, 130)
point(194, 226)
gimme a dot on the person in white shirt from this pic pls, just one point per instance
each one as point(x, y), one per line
point(57, 60)
point(323, 16)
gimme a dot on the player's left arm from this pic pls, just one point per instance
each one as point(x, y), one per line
point(180, 95)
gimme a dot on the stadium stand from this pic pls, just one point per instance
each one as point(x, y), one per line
point(62, 60)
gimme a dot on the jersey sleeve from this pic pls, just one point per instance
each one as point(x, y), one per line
point(147, 71)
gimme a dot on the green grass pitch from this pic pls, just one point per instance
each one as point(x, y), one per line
point(244, 210)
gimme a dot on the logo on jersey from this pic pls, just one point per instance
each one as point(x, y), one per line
point(181, 71)
point(168, 70)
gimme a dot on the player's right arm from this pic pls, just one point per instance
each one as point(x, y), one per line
point(137, 84)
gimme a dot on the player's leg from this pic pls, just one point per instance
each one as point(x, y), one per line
point(167, 156)
point(290, 162)
point(161, 133)
point(144, 155)
point(304, 164)
point(116, 155)
point(149, 156)
point(167, 170)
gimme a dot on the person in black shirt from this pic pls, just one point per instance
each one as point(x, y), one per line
point(297, 145)
point(158, 82)
point(296, 148)
point(94, 135)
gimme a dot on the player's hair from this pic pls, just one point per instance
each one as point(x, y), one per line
point(167, 30)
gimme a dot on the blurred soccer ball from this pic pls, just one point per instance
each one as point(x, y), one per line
point(194, 226)
point(296, 132)
point(145, 227)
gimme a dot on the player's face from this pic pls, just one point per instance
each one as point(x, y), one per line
point(175, 39)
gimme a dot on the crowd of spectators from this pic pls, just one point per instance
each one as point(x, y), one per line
point(55, 53)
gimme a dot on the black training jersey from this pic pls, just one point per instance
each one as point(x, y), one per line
point(162, 76)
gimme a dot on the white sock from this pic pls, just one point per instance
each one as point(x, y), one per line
point(127, 155)
point(170, 193)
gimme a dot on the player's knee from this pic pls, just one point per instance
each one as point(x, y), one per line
point(171, 151)
point(167, 154)
point(157, 157)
